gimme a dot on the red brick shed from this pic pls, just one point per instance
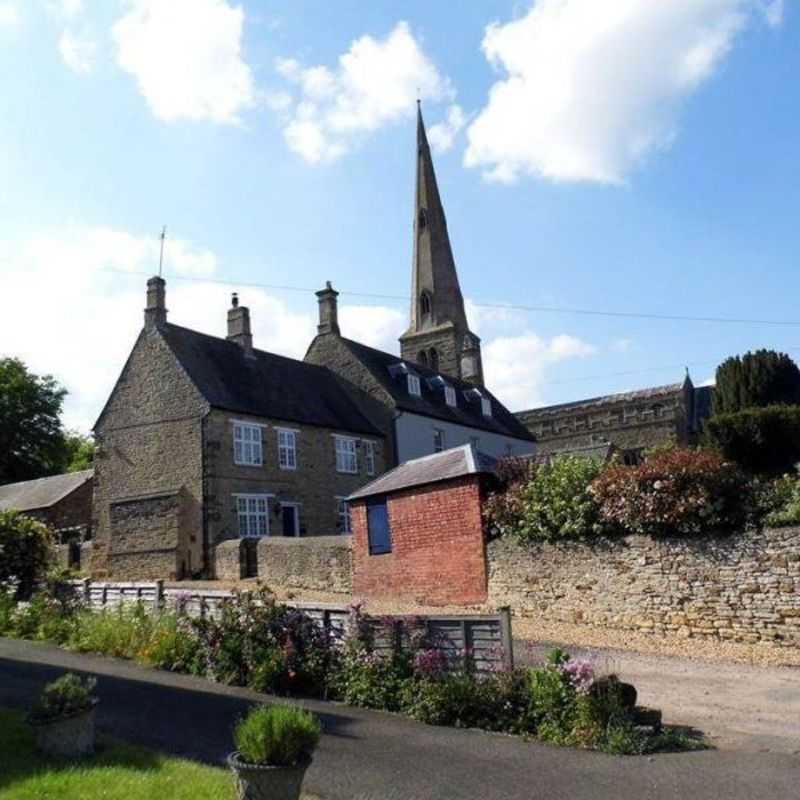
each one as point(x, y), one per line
point(417, 531)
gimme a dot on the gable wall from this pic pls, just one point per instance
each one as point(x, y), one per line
point(370, 397)
point(149, 443)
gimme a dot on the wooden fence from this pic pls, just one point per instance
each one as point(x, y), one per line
point(482, 641)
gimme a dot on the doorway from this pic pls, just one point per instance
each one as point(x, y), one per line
point(290, 519)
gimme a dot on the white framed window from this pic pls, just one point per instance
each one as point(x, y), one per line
point(475, 441)
point(287, 448)
point(343, 516)
point(346, 458)
point(369, 457)
point(438, 440)
point(414, 385)
point(450, 396)
point(247, 444)
point(486, 407)
point(253, 513)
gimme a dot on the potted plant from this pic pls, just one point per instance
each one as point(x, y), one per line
point(63, 718)
point(274, 745)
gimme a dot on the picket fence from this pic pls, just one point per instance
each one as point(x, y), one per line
point(482, 641)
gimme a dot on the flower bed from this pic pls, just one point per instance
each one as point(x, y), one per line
point(259, 643)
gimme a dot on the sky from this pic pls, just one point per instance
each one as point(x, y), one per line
point(636, 158)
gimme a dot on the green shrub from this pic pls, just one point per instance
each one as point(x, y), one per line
point(64, 697)
point(26, 551)
point(554, 504)
point(277, 735)
point(780, 501)
point(676, 492)
point(369, 679)
point(762, 441)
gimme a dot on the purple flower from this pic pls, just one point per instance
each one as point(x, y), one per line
point(430, 663)
point(580, 672)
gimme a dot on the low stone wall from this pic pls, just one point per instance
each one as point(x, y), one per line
point(311, 563)
point(228, 563)
point(745, 587)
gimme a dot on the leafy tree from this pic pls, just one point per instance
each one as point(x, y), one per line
point(79, 452)
point(25, 552)
point(756, 380)
point(763, 441)
point(32, 442)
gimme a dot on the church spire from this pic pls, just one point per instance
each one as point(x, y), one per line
point(436, 294)
point(438, 322)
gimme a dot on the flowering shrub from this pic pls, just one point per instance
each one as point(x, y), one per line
point(580, 673)
point(554, 503)
point(779, 500)
point(675, 492)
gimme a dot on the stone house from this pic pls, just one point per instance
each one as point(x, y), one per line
point(62, 502)
point(630, 421)
point(206, 439)
point(432, 397)
point(418, 533)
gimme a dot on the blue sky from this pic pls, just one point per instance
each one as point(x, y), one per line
point(610, 155)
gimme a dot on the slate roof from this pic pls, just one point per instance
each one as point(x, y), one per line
point(651, 393)
point(432, 402)
point(265, 384)
point(41, 493)
point(454, 463)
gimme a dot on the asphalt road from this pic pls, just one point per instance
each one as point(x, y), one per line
point(369, 755)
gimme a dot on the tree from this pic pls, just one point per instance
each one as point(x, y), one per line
point(25, 552)
point(756, 380)
point(32, 442)
point(79, 453)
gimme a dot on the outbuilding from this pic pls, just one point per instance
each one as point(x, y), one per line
point(417, 530)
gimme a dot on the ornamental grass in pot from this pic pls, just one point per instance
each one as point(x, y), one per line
point(274, 745)
point(63, 717)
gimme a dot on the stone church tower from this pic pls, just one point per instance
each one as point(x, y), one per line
point(438, 335)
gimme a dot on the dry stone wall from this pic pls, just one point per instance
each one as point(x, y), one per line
point(744, 588)
point(314, 563)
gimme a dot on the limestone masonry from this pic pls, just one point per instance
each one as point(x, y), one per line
point(743, 588)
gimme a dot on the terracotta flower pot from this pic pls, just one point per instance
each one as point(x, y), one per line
point(265, 782)
point(69, 737)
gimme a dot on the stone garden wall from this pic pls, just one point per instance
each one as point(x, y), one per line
point(745, 587)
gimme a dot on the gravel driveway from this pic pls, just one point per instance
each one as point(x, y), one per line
point(738, 706)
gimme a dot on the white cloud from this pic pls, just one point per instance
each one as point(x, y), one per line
point(514, 366)
point(9, 16)
point(374, 84)
point(186, 57)
point(590, 89)
point(78, 52)
point(82, 328)
point(442, 135)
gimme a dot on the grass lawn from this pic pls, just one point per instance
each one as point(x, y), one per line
point(117, 771)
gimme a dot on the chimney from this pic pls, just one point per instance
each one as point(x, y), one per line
point(328, 310)
point(155, 314)
point(239, 325)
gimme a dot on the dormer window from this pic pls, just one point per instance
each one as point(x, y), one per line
point(450, 396)
point(486, 407)
point(414, 385)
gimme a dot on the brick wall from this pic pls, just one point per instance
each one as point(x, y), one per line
point(437, 553)
point(318, 564)
point(744, 588)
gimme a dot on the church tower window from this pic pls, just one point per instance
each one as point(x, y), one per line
point(422, 358)
point(422, 220)
point(433, 359)
point(425, 304)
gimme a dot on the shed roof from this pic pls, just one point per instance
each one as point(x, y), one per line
point(454, 463)
point(43, 492)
